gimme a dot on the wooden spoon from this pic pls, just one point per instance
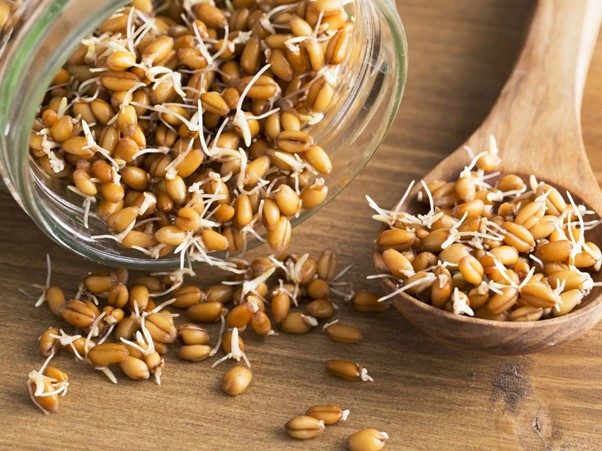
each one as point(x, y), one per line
point(536, 122)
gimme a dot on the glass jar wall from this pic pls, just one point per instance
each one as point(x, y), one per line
point(40, 35)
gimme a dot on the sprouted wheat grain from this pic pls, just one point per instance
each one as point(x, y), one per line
point(490, 245)
point(177, 124)
point(125, 320)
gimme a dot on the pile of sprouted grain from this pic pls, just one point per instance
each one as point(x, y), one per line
point(490, 245)
point(121, 319)
point(184, 126)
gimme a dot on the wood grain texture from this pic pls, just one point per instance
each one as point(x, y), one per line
point(424, 395)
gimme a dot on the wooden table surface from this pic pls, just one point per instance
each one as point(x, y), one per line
point(424, 395)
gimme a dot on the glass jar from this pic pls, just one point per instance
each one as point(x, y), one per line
point(41, 34)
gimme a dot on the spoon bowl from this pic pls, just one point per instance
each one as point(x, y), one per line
point(496, 337)
point(536, 122)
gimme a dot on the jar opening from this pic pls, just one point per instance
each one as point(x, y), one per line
point(366, 100)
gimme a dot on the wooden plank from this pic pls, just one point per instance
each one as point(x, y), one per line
point(424, 395)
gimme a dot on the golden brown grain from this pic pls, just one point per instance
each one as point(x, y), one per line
point(236, 380)
point(304, 427)
point(367, 440)
point(343, 333)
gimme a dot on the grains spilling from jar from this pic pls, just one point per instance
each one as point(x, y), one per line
point(490, 245)
point(117, 320)
point(188, 127)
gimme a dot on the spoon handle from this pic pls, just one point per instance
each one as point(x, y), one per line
point(555, 58)
point(537, 116)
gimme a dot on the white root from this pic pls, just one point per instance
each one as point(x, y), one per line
point(236, 353)
point(42, 297)
point(460, 303)
point(364, 376)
